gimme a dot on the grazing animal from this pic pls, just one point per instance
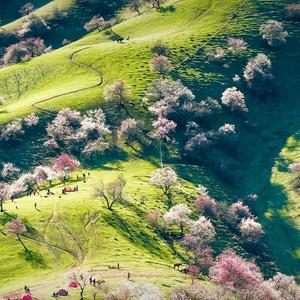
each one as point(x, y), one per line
point(177, 265)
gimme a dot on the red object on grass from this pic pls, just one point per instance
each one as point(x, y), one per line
point(73, 284)
point(26, 297)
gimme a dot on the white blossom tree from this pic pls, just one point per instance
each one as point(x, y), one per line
point(165, 178)
point(251, 230)
point(234, 99)
point(257, 72)
point(178, 215)
point(9, 172)
point(272, 31)
point(203, 230)
point(236, 45)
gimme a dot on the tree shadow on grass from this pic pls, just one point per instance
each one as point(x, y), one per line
point(35, 259)
point(136, 235)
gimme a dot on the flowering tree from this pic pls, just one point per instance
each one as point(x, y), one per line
point(200, 291)
point(167, 97)
point(25, 50)
point(234, 99)
point(165, 178)
point(113, 192)
point(44, 173)
point(118, 93)
point(17, 228)
point(179, 215)
point(240, 210)
point(26, 9)
point(251, 230)
point(293, 11)
point(163, 127)
point(13, 131)
point(9, 171)
point(257, 72)
point(79, 280)
point(286, 286)
point(34, 26)
point(99, 23)
point(129, 130)
point(272, 31)
point(227, 130)
point(236, 45)
point(235, 273)
point(31, 120)
point(193, 271)
point(135, 5)
point(80, 134)
point(206, 205)
point(160, 64)
point(65, 164)
point(5, 194)
point(155, 218)
point(216, 55)
point(25, 182)
point(203, 230)
point(198, 141)
point(138, 291)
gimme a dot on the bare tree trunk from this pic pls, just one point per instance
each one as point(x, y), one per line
point(22, 243)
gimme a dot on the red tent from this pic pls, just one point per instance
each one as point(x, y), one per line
point(27, 297)
point(73, 284)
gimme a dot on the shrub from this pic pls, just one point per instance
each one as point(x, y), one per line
point(234, 99)
point(272, 31)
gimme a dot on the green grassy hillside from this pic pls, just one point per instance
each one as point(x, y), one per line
point(76, 230)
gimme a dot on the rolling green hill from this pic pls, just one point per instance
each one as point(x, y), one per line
point(76, 230)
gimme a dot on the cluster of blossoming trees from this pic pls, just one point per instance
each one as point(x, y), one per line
point(14, 184)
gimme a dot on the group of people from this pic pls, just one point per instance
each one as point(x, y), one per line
point(69, 189)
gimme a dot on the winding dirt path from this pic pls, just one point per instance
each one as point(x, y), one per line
point(71, 58)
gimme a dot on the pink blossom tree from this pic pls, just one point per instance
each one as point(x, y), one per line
point(272, 31)
point(79, 280)
point(25, 50)
point(98, 22)
point(165, 178)
point(17, 228)
point(206, 205)
point(235, 273)
point(193, 271)
point(155, 218)
point(65, 164)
